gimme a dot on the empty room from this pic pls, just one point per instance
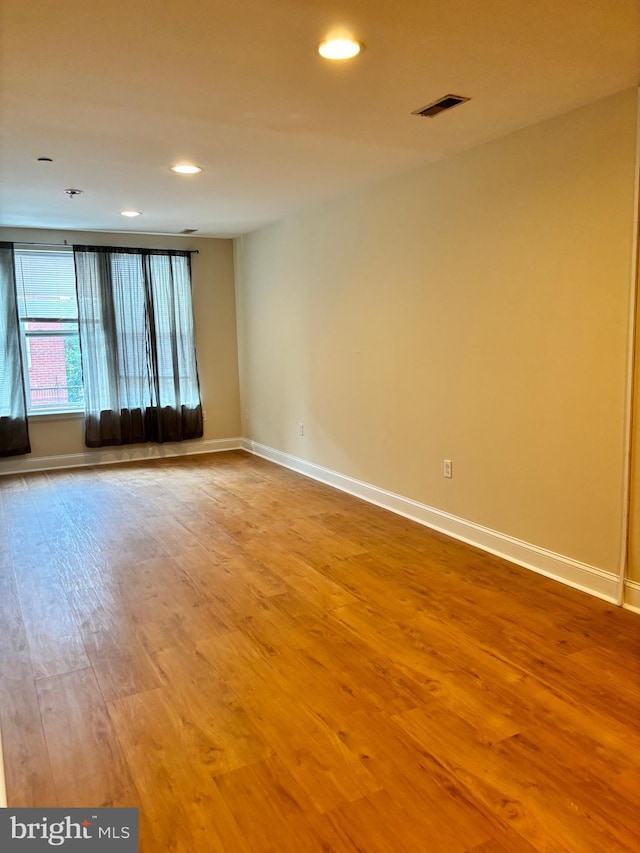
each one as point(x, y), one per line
point(319, 426)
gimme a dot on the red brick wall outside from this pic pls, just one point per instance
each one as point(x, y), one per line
point(47, 368)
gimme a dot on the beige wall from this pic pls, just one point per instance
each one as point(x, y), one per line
point(474, 310)
point(215, 320)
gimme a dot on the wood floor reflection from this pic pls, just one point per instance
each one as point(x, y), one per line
point(261, 663)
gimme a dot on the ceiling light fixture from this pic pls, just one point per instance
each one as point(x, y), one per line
point(130, 213)
point(186, 169)
point(338, 49)
point(73, 193)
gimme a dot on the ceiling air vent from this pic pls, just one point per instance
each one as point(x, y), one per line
point(188, 230)
point(439, 106)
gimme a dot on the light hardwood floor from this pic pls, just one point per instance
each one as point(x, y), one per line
point(260, 663)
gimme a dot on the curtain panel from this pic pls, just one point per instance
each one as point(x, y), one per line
point(137, 346)
point(14, 431)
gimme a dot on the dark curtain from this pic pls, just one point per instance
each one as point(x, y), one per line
point(137, 342)
point(14, 432)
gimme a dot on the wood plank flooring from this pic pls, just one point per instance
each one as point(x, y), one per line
point(260, 663)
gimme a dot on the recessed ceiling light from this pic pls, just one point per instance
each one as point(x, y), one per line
point(339, 48)
point(186, 169)
point(130, 213)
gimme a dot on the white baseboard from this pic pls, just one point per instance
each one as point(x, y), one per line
point(564, 569)
point(112, 455)
point(632, 596)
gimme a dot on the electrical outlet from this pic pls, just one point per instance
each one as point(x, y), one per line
point(300, 429)
point(447, 469)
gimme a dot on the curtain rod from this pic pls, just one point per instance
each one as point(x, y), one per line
point(70, 245)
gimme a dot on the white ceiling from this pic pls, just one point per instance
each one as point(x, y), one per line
point(115, 92)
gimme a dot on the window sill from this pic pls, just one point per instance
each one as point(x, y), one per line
point(55, 416)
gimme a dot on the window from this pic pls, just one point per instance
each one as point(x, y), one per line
point(48, 312)
point(138, 348)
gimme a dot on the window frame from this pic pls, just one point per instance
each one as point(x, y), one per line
point(76, 408)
